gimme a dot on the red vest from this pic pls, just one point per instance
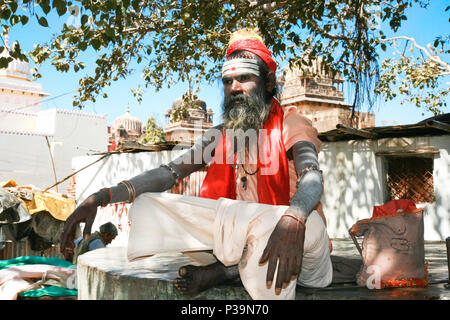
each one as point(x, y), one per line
point(272, 175)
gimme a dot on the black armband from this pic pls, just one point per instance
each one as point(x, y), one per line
point(172, 170)
point(199, 155)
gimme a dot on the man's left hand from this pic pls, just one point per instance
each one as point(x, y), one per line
point(285, 246)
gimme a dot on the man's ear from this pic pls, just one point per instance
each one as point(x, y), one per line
point(271, 80)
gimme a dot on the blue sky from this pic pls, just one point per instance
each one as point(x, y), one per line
point(422, 24)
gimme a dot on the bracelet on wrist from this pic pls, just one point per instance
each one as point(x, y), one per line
point(130, 189)
point(293, 216)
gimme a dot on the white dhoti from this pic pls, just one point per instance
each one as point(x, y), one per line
point(237, 232)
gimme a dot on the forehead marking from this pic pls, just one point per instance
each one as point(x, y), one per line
point(243, 65)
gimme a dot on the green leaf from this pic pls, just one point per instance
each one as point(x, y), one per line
point(13, 5)
point(436, 43)
point(110, 32)
point(61, 6)
point(82, 45)
point(43, 22)
point(45, 5)
point(14, 19)
point(135, 5)
point(96, 43)
point(4, 61)
point(61, 10)
point(24, 19)
point(125, 3)
point(84, 19)
point(5, 14)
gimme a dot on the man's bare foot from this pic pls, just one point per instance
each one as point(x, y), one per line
point(194, 279)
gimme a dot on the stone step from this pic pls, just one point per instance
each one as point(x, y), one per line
point(106, 274)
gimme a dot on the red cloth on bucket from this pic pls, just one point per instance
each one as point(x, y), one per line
point(395, 207)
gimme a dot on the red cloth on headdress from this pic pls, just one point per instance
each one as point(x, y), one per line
point(273, 188)
point(257, 48)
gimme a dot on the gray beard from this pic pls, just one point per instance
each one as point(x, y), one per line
point(244, 118)
point(250, 113)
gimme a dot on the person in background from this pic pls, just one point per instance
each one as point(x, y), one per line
point(96, 240)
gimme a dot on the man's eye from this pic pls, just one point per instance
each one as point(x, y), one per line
point(244, 77)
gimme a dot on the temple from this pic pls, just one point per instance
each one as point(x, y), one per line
point(319, 95)
point(17, 92)
point(187, 120)
point(125, 128)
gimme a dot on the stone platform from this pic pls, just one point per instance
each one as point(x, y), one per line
point(106, 274)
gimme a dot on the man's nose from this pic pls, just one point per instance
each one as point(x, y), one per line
point(236, 87)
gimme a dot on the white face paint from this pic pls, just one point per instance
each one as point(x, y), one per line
point(240, 66)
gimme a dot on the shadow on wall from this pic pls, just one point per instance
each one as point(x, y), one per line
point(351, 184)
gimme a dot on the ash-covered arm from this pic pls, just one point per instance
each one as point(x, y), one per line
point(164, 177)
point(310, 183)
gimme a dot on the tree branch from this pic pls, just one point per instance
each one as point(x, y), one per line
point(434, 58)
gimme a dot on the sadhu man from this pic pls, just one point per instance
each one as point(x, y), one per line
point(258, 210)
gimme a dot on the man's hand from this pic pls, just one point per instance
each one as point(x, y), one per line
point(285, 246)
point(86, 213)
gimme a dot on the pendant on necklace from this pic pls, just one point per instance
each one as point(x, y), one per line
point(244, 182)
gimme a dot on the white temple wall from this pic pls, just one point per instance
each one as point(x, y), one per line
point(20, 101)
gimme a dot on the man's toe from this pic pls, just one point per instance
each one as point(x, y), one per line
point(180, 284)
point(182, 271)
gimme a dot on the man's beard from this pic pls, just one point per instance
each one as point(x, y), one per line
point(250, 113)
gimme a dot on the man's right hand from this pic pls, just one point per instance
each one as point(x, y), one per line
point(86, 213)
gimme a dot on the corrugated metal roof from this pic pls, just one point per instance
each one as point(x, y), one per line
point(439, 125)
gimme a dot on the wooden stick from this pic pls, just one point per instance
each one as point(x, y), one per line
point(355, 241)
point(74, 173)
point(53, 165)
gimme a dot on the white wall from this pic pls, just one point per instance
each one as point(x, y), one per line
point(353, 181)
point(25, 158)
point(351, 184)
point(17, 120)
point(75, 134)
point(437, 218)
